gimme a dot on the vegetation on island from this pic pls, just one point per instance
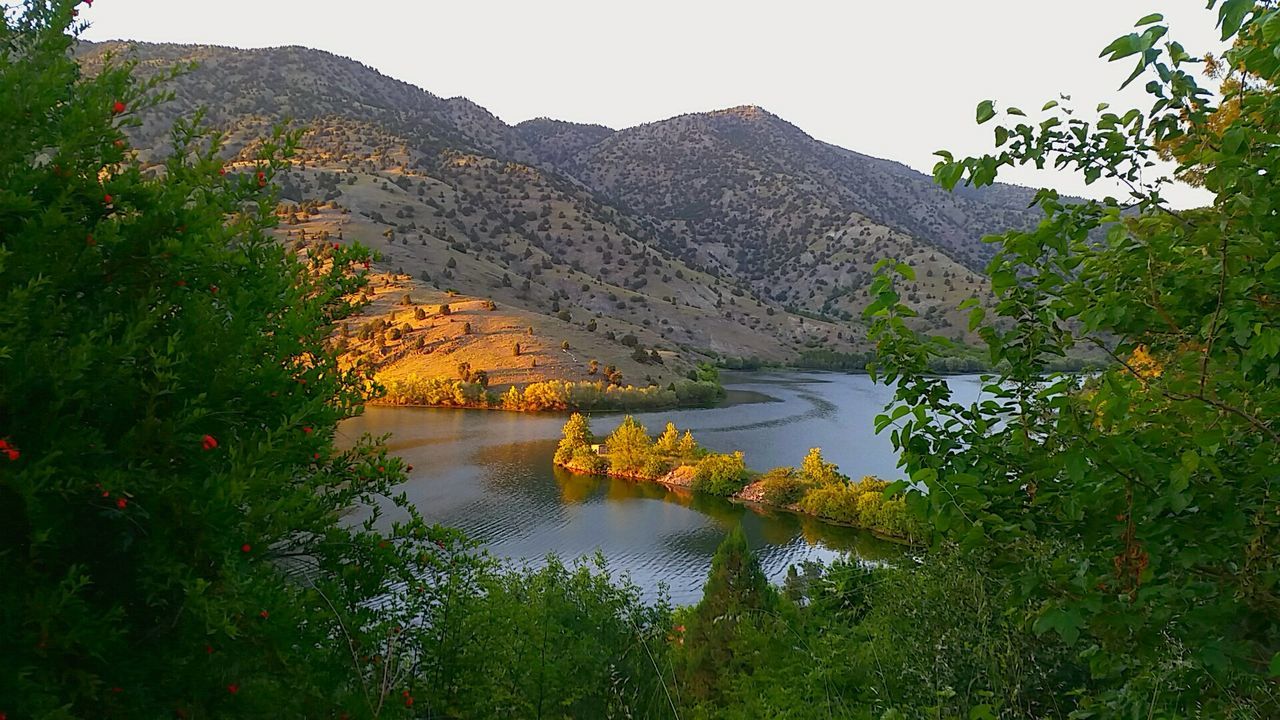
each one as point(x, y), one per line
point(815, 488)
point(182, 536)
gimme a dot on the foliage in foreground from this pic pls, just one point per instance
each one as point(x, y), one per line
point(169, 536)
point(1154, 483)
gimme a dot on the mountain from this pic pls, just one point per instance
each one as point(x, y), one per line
point(722, 234)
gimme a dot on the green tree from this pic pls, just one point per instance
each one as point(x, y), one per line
point(669, 441)
point(575, 436)
point(170, 486)
point(817, 471)
point(721, 632)
point(629, 447)
point(688, 447)
point(1153, 482)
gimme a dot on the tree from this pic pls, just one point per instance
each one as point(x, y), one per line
point(669, 441)
point(168, 417)
point(688, 446)
point(576, 435)
point(628, 446)
point(817, 471)
point(721, 632)
point(1152, 484)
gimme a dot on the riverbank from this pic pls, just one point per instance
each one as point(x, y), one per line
point(676, 461)
point(548, 396)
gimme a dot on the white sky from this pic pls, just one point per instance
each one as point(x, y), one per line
point(896, 80)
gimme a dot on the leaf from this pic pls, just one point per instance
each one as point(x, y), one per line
point(1233, 140)
point(986, 111)
point(1273, 263)
point(1231, 16)
point(1065, 623)
point(1275, 665)
point(976, 317)
point(1152, 18)
point(1049, 105)
point(894, 488)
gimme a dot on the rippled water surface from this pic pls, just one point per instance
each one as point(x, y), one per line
point(490, 474)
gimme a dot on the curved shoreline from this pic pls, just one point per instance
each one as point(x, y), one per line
point(676, 480)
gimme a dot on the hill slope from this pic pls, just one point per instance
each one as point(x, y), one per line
point(730, 233)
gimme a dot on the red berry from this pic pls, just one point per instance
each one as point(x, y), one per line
point(13, 455)
point(264, 615)
point(117, 108)
point(122, 503)
point(213, 289)
point(233, 688)
point(306, 429)
point(208, 442)
point(208, 649)
point(246, 547)
point(107, 199)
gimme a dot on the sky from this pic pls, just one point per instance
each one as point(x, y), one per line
point(895, 80)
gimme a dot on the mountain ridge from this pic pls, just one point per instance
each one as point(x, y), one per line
point(741, 234)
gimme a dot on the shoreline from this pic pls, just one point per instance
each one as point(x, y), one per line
point(739, 497)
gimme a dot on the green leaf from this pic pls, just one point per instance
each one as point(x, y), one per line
point(1147, 20)
point(1233, 140)
point(1273, 263)
point(1275, 665)
point(1064, 622)
point(986, 111)
point(976, 317)
point(1049, 105)
point(894, 488)
point(1231, 16)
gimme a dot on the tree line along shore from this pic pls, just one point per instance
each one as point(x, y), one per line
point(676, 460)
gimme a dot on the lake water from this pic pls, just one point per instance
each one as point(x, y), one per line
point(490, 474)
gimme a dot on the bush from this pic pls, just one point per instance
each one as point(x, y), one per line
point(655, 466)
point(781, 487)
point(720, 474)
point(169, 455)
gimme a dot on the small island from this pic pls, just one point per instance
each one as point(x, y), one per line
point(676, 460)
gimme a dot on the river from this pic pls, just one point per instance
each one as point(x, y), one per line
point(490, 474)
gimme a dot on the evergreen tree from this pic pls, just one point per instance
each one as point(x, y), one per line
point(721, 630)
point(669, 441)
